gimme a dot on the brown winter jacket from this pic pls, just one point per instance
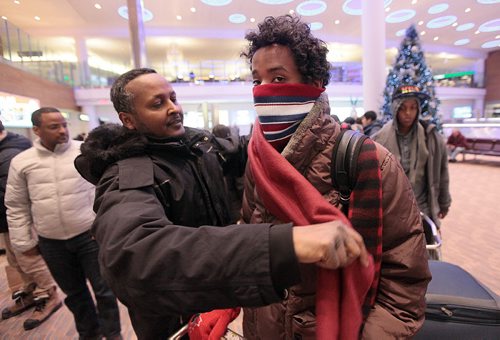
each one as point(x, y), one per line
point(399, 308)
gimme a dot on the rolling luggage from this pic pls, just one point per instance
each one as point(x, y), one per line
point(458, 306)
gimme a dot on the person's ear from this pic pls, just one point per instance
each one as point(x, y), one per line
point(127, 120)
point(317, 83)
point(36, 130)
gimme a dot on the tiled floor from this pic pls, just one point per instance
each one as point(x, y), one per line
point(471, 237)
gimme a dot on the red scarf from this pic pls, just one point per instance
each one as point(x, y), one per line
point(290, 197)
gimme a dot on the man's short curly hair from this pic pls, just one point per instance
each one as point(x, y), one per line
point(309, 52)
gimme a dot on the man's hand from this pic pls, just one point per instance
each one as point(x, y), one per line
point(442, 214)
point(32, 252)
point(329, 245)
point(211, 325)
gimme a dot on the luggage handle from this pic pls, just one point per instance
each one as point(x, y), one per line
point(435, 233)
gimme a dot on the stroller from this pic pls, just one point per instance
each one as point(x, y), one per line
point(432, 238)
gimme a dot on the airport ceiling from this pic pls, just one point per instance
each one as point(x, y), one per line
point(456, 31)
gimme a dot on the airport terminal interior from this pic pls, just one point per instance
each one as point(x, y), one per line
point(67, 54)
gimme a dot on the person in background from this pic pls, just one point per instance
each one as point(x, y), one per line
point(233, 174)
point(46, 195)
point(455, 144)
point(420, 149)
point(370, 123)
point(288, 179)
point(162, 216)
point(29, 278)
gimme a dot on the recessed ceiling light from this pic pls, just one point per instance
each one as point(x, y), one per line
point(467, 10)
point(465, 27)
point(497, 37)
point(216, 2)
point(413, 2)
point(311, 7)
point(442, 21)
point(274, 2)
point(17, 2)
point(420, 23)
point(252, 19)
point(291, 11)
point(37, 18)
point(147, 15)
point(337, 22)
point(477, 32)
point(491, 44)
point(98, 6)
point(387, 9)
point(4, 17)
point(193, 9)
point(455, 24)
point(237, 18)
point(400, 16)
point(316, 26)
point(461, 42)
point(490, 26)
point(438, 8)
point(436, 38)
point(179, 17)
point(422, 33)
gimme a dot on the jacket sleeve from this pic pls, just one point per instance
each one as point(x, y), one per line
point(158, 268)
point(400, 305)
point(18, 205)
point(444, 197)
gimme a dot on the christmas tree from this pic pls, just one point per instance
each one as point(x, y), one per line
point(410, 69)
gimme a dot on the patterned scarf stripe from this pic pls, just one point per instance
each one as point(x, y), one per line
point(281, 114)
point(366, 202)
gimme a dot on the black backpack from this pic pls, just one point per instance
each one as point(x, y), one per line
point(344, 169)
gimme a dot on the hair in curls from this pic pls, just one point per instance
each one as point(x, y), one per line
point(309, 52)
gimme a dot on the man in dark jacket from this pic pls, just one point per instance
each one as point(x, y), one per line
point(29, 270)
point(160, 200)
point(370, 123)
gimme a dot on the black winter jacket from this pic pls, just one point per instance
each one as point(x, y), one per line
point(10, 146)
point(159, 204)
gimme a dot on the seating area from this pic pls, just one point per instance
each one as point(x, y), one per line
point(482, 146)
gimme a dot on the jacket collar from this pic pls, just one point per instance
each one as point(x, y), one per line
point(59, 149)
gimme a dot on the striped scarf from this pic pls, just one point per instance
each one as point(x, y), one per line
point(281, 108)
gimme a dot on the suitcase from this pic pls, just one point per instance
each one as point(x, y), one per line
point(458, 306)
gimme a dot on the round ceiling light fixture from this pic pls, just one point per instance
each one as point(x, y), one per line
point(316, 26)
point(216, 2)
point(465, 27)
point(490, 26)
point(488, 2)
point(491, 44)
point(274, 2)
point(442, 21)
point(237, 18)
point(311, 7)
point(353, 7)
point(461, 42)
point(147, 15)
point(438, 8)
point(400, 16)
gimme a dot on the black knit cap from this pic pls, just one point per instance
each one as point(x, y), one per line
point(409, 91)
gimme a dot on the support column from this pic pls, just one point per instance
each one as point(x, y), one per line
point(137, 37)
point(90, 111)
point(83, 62)
point(479, 72)
point(373, 43)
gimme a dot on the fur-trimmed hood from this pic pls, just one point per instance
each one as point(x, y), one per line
point(106, 145)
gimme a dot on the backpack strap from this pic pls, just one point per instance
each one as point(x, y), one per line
point(344, 171)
